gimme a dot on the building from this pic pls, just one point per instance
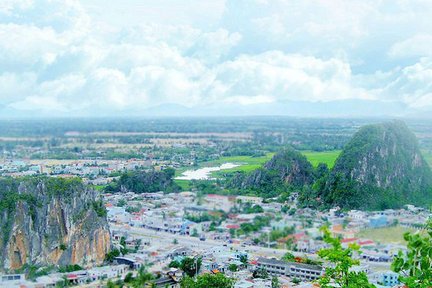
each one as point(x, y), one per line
point(389, 278)
point(378, 221)
point(171, 280)
point(218, 202)
point(249, 199)
point(132, 263)
point(299, 270)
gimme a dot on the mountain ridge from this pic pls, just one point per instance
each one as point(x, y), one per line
point(381, 167)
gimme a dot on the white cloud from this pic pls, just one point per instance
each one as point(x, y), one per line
point(56, 56)
point(412, 84)
point(286, 77)
point(416, 46)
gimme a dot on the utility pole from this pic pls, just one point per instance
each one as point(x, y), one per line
point(196, 268)
point(268, 239)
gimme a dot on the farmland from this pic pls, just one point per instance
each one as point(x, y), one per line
point(250, 163)
point(327, 157)
point(392, 234)
point(247, 163)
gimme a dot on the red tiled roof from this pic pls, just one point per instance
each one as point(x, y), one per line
point(72, 276)
point(366, 242)
point(347, 240)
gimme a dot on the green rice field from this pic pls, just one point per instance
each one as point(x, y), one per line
point(249, 163)
point(327, 157)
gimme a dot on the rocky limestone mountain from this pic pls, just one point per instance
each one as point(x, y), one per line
point(381, 167)
point(51, 221)
point(287, 169)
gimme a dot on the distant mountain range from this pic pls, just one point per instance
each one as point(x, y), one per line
point(340, 108)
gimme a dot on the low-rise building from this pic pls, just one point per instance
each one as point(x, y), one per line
point(292, 269)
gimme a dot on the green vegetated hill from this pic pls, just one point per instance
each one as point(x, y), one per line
point(145, 182)
point(381, 167)
point(286, 169)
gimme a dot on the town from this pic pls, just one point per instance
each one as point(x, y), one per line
point(173, 209)
point(235, 235)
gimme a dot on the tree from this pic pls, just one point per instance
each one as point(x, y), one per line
point(121, 203)
point(190, 266)
point(233, 267)
point(339, 273)
point(260, 273)
point(174, 264)
point(415, 268)
point(138, 243)
point(275, 282)
point(123, 248)
point(290, 245)
point(111, 255)
point(110, 284)
point(194, 233)
point(142, 278)
point(288, 257)
point(175, 241)
point(128, 278)
point(244, 259)
point(207, 280)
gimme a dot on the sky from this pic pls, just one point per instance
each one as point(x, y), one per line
point(307, 58)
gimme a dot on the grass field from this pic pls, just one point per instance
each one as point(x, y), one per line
point(392, 234)
point(249, 163)
point(327, 157)
point(184, 184)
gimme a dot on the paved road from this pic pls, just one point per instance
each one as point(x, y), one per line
point(166, 239)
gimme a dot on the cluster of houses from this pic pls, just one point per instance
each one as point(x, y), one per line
point(96, 171)
point(169, 213)
point(220, 219)
point(80, 277)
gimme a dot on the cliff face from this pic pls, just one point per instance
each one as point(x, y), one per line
point(49, 221)
point(381, 167)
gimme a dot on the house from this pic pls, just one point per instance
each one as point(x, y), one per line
point(218, 202)
point(106, 272)
point(281, 268)
point(171, 280)
point(357, 215)
point(132, 263)
point(180, 252)
point(48, 281)
point(249, 199)
point(12, 280)
point(388, 278)
point(378, 221)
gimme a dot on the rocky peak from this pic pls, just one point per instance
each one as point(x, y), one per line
point(51, 221)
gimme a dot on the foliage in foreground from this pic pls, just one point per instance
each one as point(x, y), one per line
point(142, 279)
point(415, 268)
point(339, 273)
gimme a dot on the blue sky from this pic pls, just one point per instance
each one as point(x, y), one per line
point(131, 57)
